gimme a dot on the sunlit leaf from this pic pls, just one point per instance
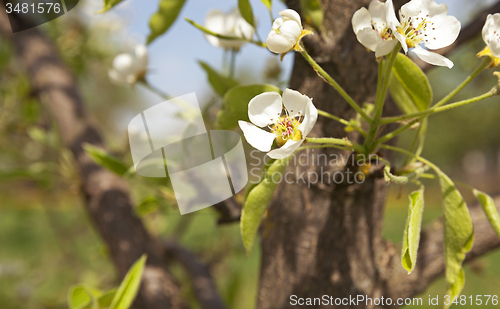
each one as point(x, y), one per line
point(235, 104)
point(129, 287)
point(83, 297)
point(257, 200)
point(109, 4)
point(458, 234)
point(166, 15)
point(413, 226)
point(246, 11)
point(268, 3)
point(148, 205)
point(490, 209)
point(105, 160)
point(409, 86)
point(219, 83)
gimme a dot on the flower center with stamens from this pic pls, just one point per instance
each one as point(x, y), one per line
point(413, 30)
point(386, 34)
point(286, 128)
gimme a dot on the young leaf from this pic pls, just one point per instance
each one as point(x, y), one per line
point(108, 4)
point(409, 86)
point(246, 11)
point(235, 104)
point(268, 3)
point(130, 285)
point(313, 13)
point(399, 180)
point(82, 297)
point(257, 200)
point(489, 209)
point(105, 160)
point(104, 300)
point(166, 15)
point(148, 205)
point(458, 234)
point(219, 83)
point(411, 236)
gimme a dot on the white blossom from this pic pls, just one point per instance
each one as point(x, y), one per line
point(370, 26)
point(289, 119)
point(424, 22)
point(491, 34)
point(128, 68)
point(231, 24)
point(286, 33)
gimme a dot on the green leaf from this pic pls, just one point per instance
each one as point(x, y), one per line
point(166, 15)
point(108, 4)
point(409, 86)
point(313, 13)
point(219, 83)
point(105, 160)
point(130, 285)
point(268, 3)
point(458, 234)
point(489, 209)
point(148, 205)
point(235, 104)
point(83, 297)
point(106, 298)
point(411, 236)
point(257, 200)
point(246, 11)
point(399, 180)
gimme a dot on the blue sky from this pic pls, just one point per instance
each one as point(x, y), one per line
point(173, 56)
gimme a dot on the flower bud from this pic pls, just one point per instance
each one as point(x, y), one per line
point(286, 33)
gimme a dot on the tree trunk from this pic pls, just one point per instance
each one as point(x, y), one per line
point(327, 240)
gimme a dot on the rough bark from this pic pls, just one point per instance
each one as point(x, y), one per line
point(327, 240)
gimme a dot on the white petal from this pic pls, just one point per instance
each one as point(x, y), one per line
point(413, 8)
point(278, 43)
point(491, 33)
point(265, 108)
point(444, 34)
point(310, 117)
point(432, 58)
point(295, 102)
point(277, 23)
point(141, 55)
point(392, 20)
point(402, 39)
point(117, 78)
point(258, 138)
point(379, 15)
point(292, 15)
point(385, 48)
point(242, 29)
point(361, 19)
point(285, 151)
point(290, 30)
point(125, 64)
point(215, 22)
point(369, 38)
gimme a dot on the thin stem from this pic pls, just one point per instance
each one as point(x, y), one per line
point(232, 64)
point(406, 152)
point(338, 119)
point(224, 37)
point(335, 85)
point(476, 72)
point(396, 132)
point(439, 109)
point(155, 90)
point(336, 141)
point(382, 87)
point(323, 146)
point(419, 140)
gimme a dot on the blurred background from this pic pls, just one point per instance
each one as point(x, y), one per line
point(47, 242)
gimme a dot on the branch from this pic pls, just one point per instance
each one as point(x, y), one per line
point(468, 33)
point(203, 284)
point(107, 198)
point(430, 259)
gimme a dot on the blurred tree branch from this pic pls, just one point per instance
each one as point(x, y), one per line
point(106, 195)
